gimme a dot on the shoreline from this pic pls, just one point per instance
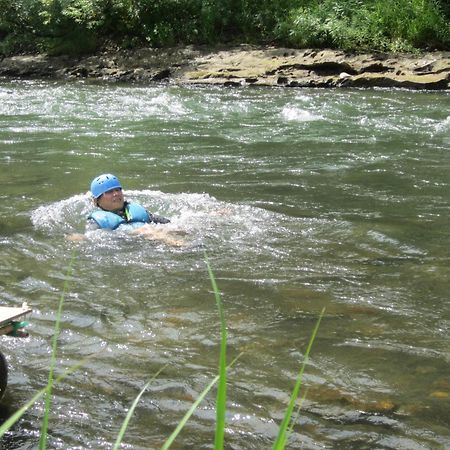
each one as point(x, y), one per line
point(243, 65)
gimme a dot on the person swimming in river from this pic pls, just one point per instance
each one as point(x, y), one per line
point(113, 212)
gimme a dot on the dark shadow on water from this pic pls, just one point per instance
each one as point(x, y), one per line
point(15, 438)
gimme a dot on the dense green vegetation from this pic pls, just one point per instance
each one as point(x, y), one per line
point(82, 26)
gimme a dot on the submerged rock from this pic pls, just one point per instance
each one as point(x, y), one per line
point(333, 395)
point(440, 394)
point(243, 65)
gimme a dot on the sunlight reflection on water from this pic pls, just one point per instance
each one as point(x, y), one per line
point(302, 199)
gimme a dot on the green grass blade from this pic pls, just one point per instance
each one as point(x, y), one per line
point(282, 432)
point(20, 412)
point(132, 408)
point(222, 387)
point(191, 410)
point(297, 413)
point(44, 428)
point(189, 413)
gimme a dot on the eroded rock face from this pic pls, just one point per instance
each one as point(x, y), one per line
point(244, 65)
point(324, 68)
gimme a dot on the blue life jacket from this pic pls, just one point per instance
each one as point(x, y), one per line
point(136, 216)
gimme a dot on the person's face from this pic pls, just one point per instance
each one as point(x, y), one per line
point(111, 200)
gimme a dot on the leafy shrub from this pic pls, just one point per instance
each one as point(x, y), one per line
point(416, 23)
point(387, 25)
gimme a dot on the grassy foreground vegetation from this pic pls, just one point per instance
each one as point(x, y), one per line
point(286, 425)
point(85, 26)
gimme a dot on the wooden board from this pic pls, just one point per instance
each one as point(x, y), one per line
point(8, 314)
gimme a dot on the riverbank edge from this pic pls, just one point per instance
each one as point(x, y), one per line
point(242, 65)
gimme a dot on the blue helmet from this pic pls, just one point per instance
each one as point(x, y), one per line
point(104, 183)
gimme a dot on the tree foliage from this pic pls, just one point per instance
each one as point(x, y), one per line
point(386, 25)
point(78, 26)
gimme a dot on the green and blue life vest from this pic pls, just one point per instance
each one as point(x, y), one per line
point(135, 216)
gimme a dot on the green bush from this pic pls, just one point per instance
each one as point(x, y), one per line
point(368, 25)
point(414, 23)
point(386, 25)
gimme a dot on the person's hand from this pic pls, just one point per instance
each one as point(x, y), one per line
point(76, 237)
point(156, 233)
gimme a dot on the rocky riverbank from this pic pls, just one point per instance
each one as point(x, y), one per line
point(242, 65)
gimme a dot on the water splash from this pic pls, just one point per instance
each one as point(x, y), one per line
point(63, 216)
point(200, 217)
point(442, 127)
point(294, 114)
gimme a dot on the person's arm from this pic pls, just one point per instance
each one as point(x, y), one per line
point(157, 219)
point(161, 234)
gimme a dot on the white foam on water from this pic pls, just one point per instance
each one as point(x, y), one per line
point(63, 216)
point(198, 217)
point(294, 114)
point(443, 126)
point(64, 103)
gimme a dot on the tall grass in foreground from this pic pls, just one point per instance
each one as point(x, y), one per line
point(124, 426)
point(48, 394)
point(285, 427)
point(222, 388)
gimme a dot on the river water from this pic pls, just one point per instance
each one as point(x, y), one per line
point(302, 199)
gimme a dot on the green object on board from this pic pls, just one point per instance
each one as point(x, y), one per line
point(17, 329)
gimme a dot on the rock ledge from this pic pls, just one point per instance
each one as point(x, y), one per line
point(243, 65)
